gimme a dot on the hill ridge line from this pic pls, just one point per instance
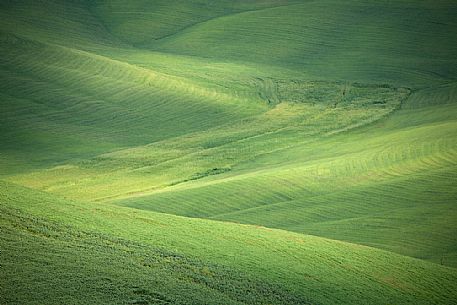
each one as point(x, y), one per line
point(188, 27)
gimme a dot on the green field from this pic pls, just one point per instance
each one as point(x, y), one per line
point(228, 152)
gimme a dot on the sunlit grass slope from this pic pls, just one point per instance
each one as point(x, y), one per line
point(321, 109)
point(368, 186)
point(66, 103)
point(57, 251)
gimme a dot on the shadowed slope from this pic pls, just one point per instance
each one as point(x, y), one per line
point(56, 21)
point(401, 42)
point(140, 22)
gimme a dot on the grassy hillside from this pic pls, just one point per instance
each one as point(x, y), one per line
point(168, 259)
point(336, 186)
point(142, 22)
point(110, 104)
point(249, 152)
point(359, 40)
point(217, 150)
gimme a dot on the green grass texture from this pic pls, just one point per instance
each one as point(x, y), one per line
point(228, 152)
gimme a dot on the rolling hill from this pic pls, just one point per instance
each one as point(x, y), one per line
point(228, 152)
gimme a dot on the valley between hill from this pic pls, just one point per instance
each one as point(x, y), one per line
point(228, 152)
